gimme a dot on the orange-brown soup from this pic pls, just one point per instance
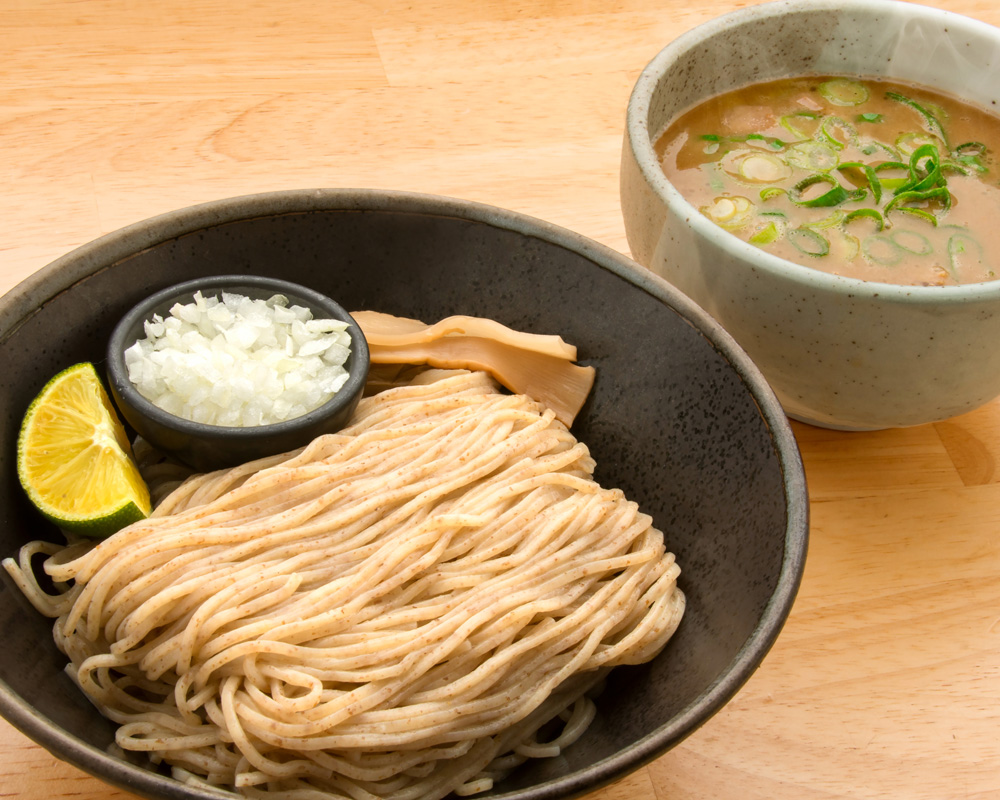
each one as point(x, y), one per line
point(858, 177)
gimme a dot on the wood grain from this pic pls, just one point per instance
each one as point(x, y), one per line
point(885, 683)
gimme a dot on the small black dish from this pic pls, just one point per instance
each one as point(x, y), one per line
point(210, 447)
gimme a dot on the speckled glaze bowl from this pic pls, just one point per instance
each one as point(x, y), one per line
point(839, 352)
point(679, 418)
point(210, 447)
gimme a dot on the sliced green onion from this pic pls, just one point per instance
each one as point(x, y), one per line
point(924, 169)
point(939, 194)
point(970, 154)
point(931, 122)
point(712, 143)
point(963, 248)
point(869, 174)
point(972, 162)
point(909, 142)
point(755, 139)
point(834, 196)
point(771, 191)
point(912, 242)
point(843, 92)
point(853, 247)
point(786, 122)
point(936, 111)
point(809, 242)
point(869, 117)
point(971, 148)
point(872, 146)
point(865, 213)
point(812, 156)
point(891, 165)
point(763, 168)
point(828, 131)
point(778, 214)
point(729, 212)
point(766, 235)
point(832, 221)
point(893, 183)
point(919, 213)
point(880, 249)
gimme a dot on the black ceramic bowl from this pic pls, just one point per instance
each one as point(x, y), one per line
point(209, 447)
point(679, 418)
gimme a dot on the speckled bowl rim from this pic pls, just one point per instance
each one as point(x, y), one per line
point(641, 145)
point(101, 254)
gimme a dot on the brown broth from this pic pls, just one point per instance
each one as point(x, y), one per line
point(759, 187)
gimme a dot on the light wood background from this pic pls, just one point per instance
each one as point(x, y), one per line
point(886, 680)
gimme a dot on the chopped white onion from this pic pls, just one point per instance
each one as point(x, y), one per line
point(239, 362)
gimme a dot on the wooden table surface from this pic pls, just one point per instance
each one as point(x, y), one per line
point(885, 682)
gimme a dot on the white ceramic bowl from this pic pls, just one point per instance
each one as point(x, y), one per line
point(839, 352)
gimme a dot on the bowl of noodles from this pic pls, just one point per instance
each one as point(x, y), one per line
point(476, 587)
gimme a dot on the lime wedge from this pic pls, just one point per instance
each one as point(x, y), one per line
point(74, 459)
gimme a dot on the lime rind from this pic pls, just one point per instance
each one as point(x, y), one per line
point(99, 527)
point(74, 460)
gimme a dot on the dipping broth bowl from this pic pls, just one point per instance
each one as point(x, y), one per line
point(209, 447)
point(679, 419)
point(839, 352)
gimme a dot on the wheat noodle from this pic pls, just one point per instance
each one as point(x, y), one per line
point(395, 611)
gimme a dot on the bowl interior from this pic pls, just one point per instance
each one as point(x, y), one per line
point(679, 419)
point(872, 38)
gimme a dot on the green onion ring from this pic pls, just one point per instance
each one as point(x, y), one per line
point(766, 235)
point(833, 141)
point(872, 177)
point(812, 155)
point(958, 246)
point(919, 213)
point(843, 92)
point(930, 121)
point(924, 249)
point(866, 213)
point(939, 193)
point(836, 195)
point(893, 257)
point(832, 221)
point(952, 166)
point(974, 148)
point(786, 123)
point(853, 246)
point(809, 242)
point(923, 178)
point(870, 146)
